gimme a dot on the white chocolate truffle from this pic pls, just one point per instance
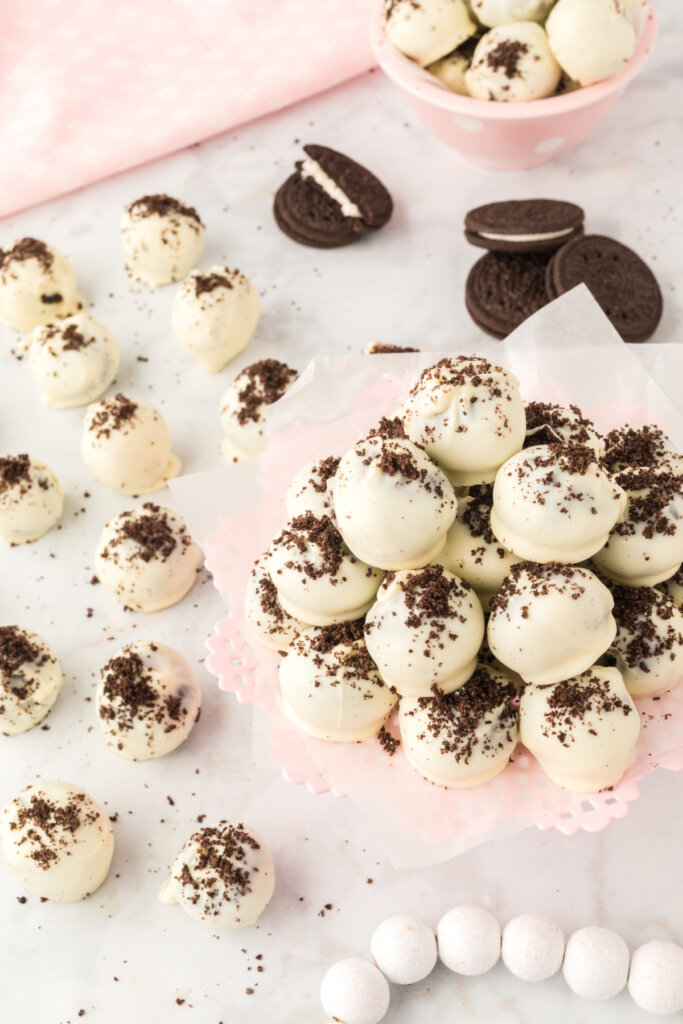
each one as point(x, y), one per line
point(30, 679)
point(317, 578)
point(213, 316)
point(648, 647)
point(147, 558)
point(468, 415)
point(148, 700)
point(469, 940)
point(596, 963)
point(428, 30)
point(451, 70)
point(162, 238)
point(73, 362)
point(244, 403)
point(673, 588)
point(645, 447)
point(57, 841)
point(513, 64)
point(404, 949)
point(533, 947)
point(37, 285)
point(465, 738)
point(655, 980)
point(393, 506)
point(502, 12)
point(271, 625)
point(354, 991)
point(555, 503)
point(583, 731)
point(126, 445)
point(472, 551)
point(31, 500)
point(331, 688)
point(590, 39)
point(424, 631)
point(553, 424)
point(550, 622)
point(222, 877)
point(310, 489)
point(646, 545)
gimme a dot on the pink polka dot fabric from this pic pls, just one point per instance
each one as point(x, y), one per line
point(91, 88)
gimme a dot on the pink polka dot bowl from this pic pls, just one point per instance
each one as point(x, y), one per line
point(507, 136)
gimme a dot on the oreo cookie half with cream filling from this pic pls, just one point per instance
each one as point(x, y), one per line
point(330, 200)
point(524, 225)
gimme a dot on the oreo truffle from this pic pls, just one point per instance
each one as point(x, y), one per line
point(556, 424)
point(37, 285)
point(163, 239)
point(271, 625)
point(31, 499)
point(73, 362)
point(30, 679)
point(244, 403)
point(648, 647)
point(214, 315)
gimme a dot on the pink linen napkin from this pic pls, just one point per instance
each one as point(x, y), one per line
point(95, 87)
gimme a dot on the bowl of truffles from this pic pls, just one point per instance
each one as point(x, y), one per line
point(511, 84)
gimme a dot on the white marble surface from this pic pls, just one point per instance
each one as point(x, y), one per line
point(405, 285)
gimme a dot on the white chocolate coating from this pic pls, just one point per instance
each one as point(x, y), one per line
point(37, 285)
point(550, 622)
point(271, 625)
point(57, 841)
point(126, 445)
point(646, 546)
point(148, 700)
point(393, 506)
point(223, 877)
point(73, 362)
point(244, 403)
point(330, 686)
point(31, 500)
point(596, 963)
point(591, 39)
point(533, 947)
point(673, 588)
point(465, 738)
point(583, 731)
point(404, 949)
point(468, 415)
point(472, 551)
point(424, 630)
point(469, 940)
point(310, 490)
point(214, 315)
point(162, 238)
point(655, 980)
point(648, 647)
point(30, 679)
point(147, 558)
point(502, 12)
point(550, 424)
point(536, 71)
point(451, 70)
point(428, 30)
point(317, 578)
point(543, 502)
point(354, 991)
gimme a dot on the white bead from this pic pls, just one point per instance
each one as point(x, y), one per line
point(404, 949)
point(533, 947)
point(354, 992)
point(655, 981)
point(596, 963)
point(469, 940)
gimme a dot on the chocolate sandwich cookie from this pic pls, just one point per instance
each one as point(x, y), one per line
point(330, 200)
point(618, 279)
point(524, 225)
point(503, 289)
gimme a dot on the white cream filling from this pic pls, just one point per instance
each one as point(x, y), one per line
point(311, 169)
point(541, 236)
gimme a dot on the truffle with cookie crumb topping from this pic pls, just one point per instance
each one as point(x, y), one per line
point(244, 403)
point(648, 647)
point(31, 499)
point(30, 679)
point(214, 315)
point(163, 239)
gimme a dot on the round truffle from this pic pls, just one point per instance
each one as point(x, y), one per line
point(213, 316)
point(404, 949)
point(163, 239)
point(147, 558)
point(37, 285)
point(533, 947)
point(244, 403)
point(513, 63)
point(30, 679)
point(354, 991)
point(591, 39)
point(271, 625)
point(73, 362)
point(596, 963)
point(56, 841)
point(310, 489)
point(655, 981)
point(469, 940)
point(555, 424)
point(222, 877)
point(428, 30)
point(648, 647)
point(126, 446)
point(31, 500)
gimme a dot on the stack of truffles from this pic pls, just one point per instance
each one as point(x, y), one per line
point(489, 567)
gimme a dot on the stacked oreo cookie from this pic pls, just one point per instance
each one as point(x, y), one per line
point(537, 250)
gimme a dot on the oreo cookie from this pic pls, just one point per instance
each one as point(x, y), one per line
point(524, 225)
point(503, 289)
point(622, 284)
point(330, 200)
